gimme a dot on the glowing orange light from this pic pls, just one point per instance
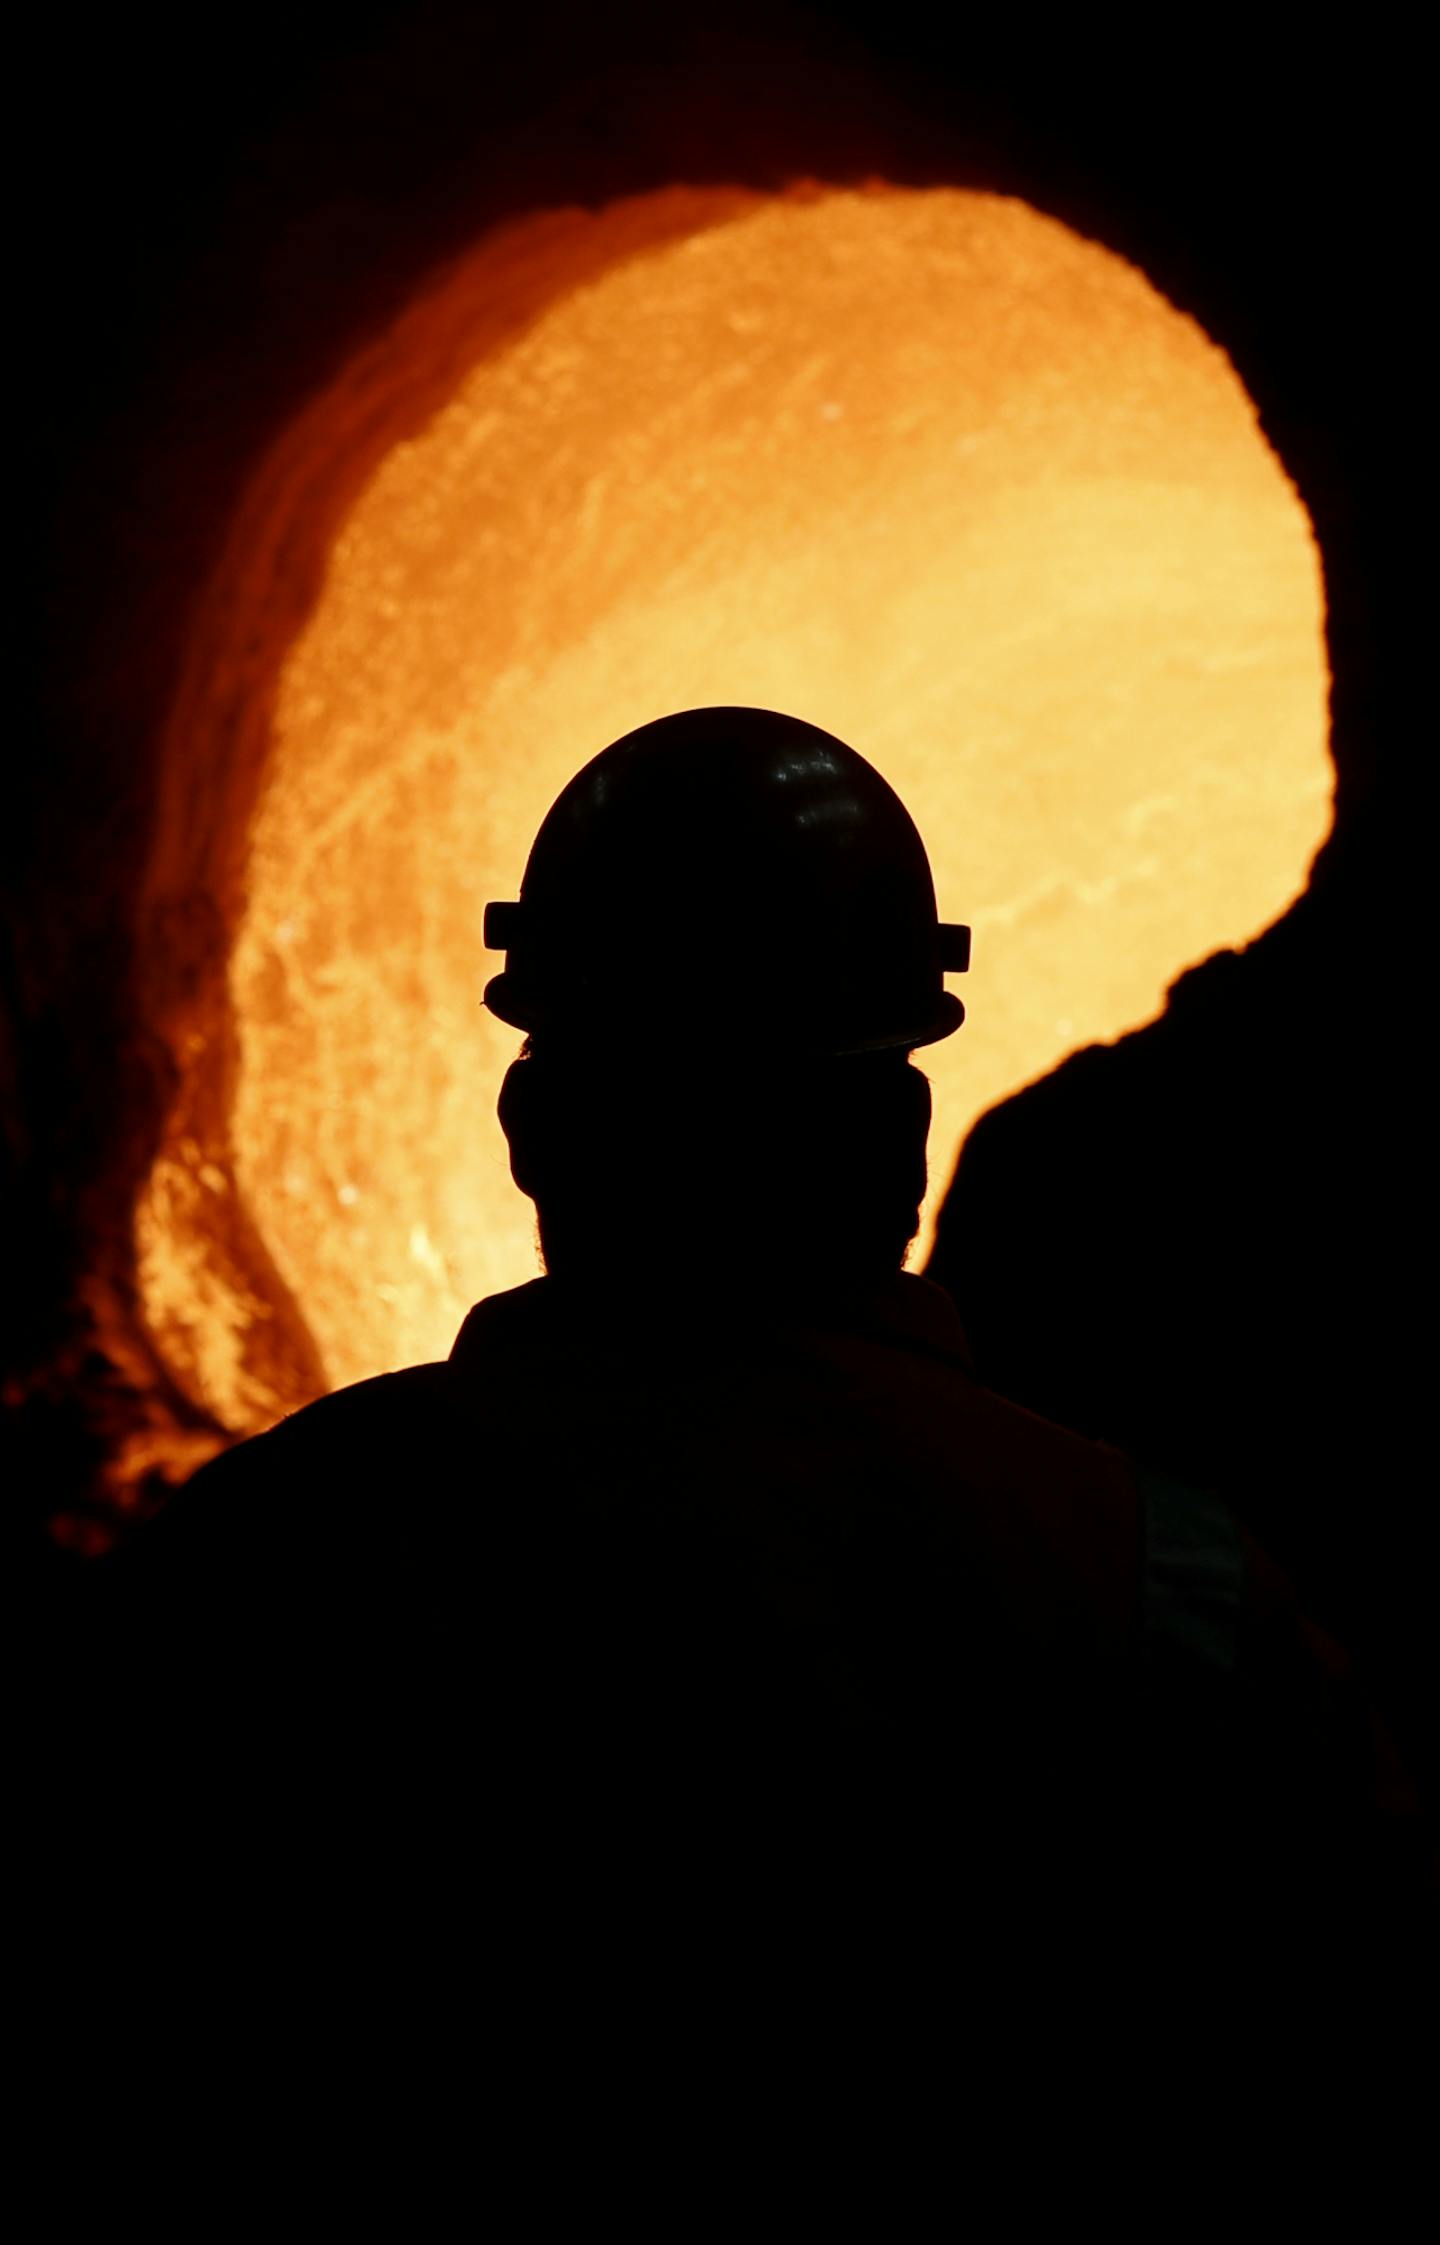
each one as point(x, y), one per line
point(925, 468)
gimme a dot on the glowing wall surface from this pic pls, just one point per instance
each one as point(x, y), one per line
point(925, 468)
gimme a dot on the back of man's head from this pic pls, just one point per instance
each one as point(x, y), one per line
point(726, 1169)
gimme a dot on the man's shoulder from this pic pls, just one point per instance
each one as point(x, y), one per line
point(367, 1407)
point(362, 1413)
point(311, 1474)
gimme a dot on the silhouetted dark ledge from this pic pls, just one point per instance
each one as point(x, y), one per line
point(1192, 1243)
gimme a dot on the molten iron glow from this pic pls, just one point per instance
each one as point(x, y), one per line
point(925, 468)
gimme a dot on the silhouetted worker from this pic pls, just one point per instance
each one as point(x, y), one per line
point(703, 1585)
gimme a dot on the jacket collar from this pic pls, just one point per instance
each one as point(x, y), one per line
point(907, 1312)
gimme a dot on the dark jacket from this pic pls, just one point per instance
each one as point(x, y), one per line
point(669, 1717)
point(718, 1584)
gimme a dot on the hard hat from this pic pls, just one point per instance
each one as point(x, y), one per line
point(735, 874)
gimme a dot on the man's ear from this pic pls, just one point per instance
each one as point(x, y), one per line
point(921, 1114)
point(519, 1121)
point(922, 1100)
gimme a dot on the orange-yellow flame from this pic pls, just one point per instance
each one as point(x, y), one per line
point(925, 468)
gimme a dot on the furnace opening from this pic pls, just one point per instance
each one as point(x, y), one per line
point(924, 467)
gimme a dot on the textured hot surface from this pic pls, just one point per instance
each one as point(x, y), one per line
point(924, 468)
